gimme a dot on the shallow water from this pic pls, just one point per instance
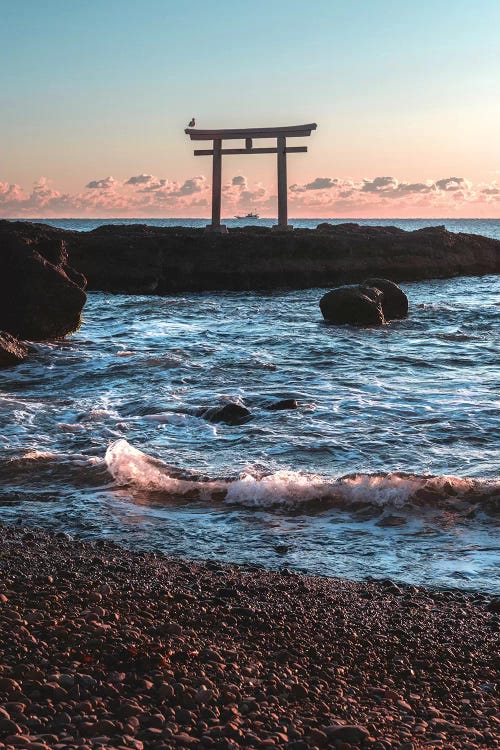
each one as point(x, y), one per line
point(80, 419)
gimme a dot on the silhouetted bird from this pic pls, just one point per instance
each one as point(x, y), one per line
point(192, 123)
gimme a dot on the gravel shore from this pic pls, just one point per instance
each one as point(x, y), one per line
point(104, 648)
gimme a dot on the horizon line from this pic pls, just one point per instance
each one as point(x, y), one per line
point(261, 218)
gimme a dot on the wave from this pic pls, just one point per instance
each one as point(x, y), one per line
point(291, 490)
point(43, 469)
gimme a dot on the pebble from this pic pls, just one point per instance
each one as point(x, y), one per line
point(135, 651)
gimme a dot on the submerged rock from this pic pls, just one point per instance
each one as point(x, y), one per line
point(232, 414)
point(394, 300)
point(286, 403)
point(354, 305)
point(41, 296)
point(12, 351)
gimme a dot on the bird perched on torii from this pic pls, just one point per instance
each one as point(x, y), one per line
point(192, 123)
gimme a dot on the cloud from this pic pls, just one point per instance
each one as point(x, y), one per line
point(387, 196)
point(146, 195)
point(321, 183)
point(140, 179)
point(414, 187)
point(240, 196)
point(155, 184)
point(379, 184)
point(10, 193)
point(194, 185)
point(451, 184)
point(104, 184)
point(493, 189)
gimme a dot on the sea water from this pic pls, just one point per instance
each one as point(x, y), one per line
point(387, 468)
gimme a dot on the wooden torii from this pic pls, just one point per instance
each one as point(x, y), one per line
point(248, 134)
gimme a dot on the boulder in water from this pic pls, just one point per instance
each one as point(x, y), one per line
point(231, 413)
point(394, 300)
point(12, 351)
point(355, 305)
point(285, 403)
point(41, 297)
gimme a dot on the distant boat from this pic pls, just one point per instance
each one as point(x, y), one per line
point(248, 216)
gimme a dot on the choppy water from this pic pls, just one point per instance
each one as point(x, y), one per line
point(101, 436)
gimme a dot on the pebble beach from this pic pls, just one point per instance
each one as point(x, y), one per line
point(106, 648)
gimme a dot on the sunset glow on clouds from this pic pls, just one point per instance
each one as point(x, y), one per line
point(403, 95)
point(145, 195)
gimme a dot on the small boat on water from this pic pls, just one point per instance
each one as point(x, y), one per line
point(248, 216)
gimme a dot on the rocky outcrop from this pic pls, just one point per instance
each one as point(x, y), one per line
point(41, 296)
point(12, 351)
point(230, 413)
point(394, 301)
point(356, 305)
point(372, 303)
point(283, 405)
point(165, 260)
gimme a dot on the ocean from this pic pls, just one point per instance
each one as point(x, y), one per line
point(388, 468)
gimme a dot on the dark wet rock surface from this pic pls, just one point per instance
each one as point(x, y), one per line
point(394, 301)
point(106, 648)
point(355, 305)
point(284, 405)
point(374, 302)
point(41, 295)
point(164, 260)
point(231, 414)
point(12, 351)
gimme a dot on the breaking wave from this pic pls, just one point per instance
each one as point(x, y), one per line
point(291, 490)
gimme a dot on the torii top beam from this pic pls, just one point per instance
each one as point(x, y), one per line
point(248, 134)
point(291, 131)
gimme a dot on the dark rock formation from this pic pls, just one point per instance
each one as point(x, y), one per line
point(41, 296)
point(232, 414)
point(394, 300)
point(355, 305)
point(12, 351)
point(286, 403)
point(166, 260)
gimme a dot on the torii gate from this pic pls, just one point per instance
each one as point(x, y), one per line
point(248, 134)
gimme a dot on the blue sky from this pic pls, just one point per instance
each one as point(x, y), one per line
point(91, 89)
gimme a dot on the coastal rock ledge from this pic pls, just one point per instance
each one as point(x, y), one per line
point(41, 296)
point(164, 260)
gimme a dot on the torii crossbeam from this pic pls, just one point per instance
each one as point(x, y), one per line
point(248, 135)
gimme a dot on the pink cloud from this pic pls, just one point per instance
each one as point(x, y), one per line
point(146, 195)
point(104, 184)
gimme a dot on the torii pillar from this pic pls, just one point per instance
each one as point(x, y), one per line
point(248, 134)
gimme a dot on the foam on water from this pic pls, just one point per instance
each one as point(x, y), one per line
point(370, 475)
point(292, 489)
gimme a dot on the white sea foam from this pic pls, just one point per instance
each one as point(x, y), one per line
point(292, 489)
point(37, 455)
point(167, 417)
point(67, 427)
point(129, 466)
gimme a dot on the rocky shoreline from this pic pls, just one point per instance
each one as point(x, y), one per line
point(141, 259)
point(45, 271)
point(105, 648)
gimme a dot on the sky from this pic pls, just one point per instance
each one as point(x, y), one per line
point(95, 96)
